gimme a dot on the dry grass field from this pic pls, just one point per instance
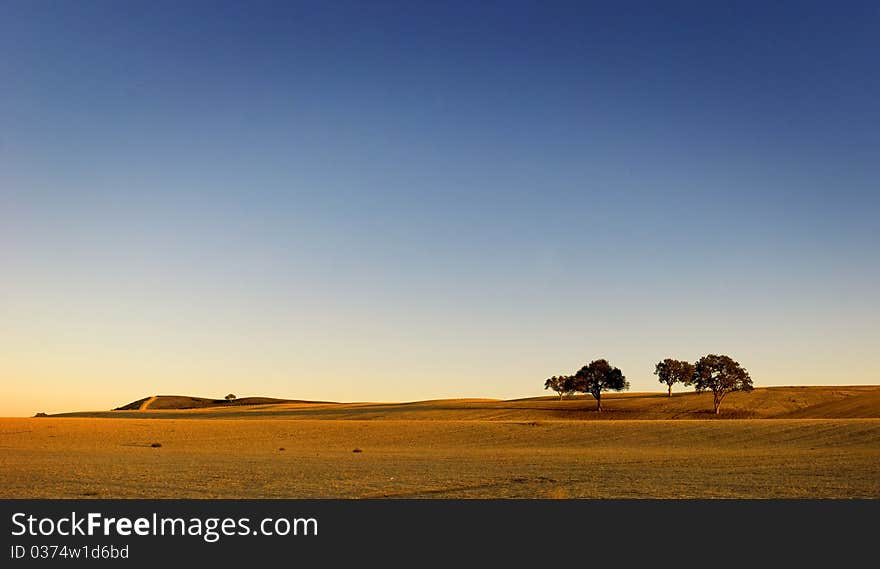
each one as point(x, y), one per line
point(773, 443)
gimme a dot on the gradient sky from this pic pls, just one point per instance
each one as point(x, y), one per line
point(398, 201)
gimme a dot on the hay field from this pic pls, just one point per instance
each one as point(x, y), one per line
point(452, 449)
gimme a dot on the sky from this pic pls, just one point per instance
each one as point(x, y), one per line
point(392, 201)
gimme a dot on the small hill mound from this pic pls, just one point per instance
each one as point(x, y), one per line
point(169, 402)
point(133, 406)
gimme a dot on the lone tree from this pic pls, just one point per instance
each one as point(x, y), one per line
point(599, 376)
point(721, 375)
point(671, 371)
point(563, 385)
point(230, 398)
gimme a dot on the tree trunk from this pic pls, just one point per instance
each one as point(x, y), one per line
point(560, 396)
point(670, 390)
point(599, 403)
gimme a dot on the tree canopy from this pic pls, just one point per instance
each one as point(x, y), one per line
point(720, 375)
point(563, 385)
point(599, 376)
point(671, 371)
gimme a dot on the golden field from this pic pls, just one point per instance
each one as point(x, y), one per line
point(795, 442)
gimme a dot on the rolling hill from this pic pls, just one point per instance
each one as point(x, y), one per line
point(814, 402)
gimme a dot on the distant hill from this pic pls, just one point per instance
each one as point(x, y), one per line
point(826, 402)
point(185, 402)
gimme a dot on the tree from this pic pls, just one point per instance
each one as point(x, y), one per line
point(721, 375)
point(563, 385)
point(230, 398)
point(599, 376)
point(671, 371)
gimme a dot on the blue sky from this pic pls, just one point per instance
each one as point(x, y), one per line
point(362, 201)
